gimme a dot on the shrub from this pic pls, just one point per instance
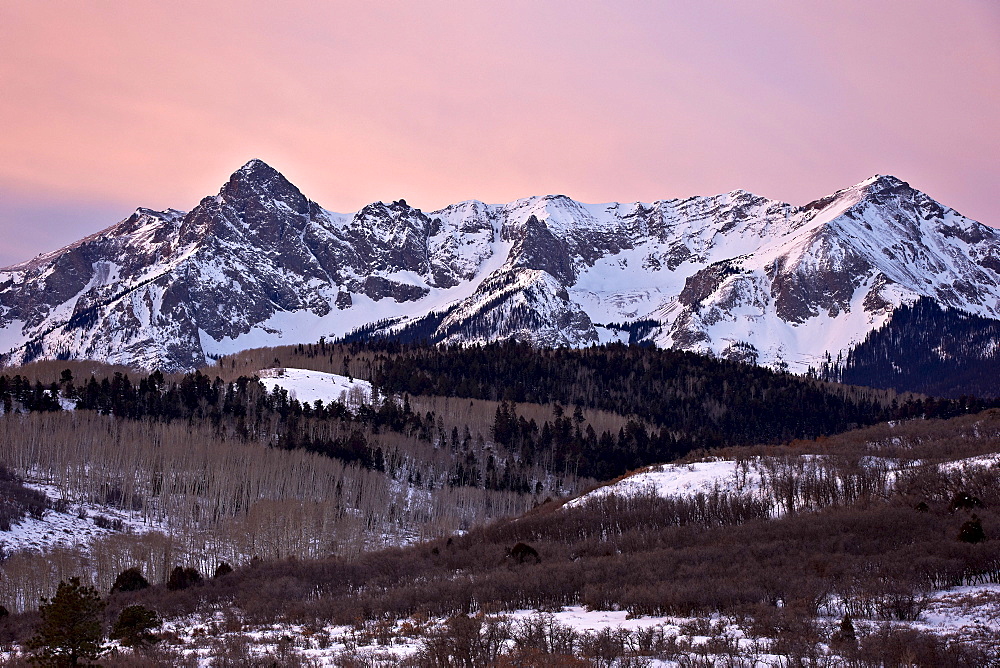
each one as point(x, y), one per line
point(521, 553)
point(112, 523)
point(972, 531)
point(182, 578)
point(891, 646)
point(130, 579)
point(845, 638)
point(964, 500)
point(465, 641)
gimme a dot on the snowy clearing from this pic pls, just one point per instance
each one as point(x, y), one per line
point(309, 386)
point(722, 475)
point(75, 526)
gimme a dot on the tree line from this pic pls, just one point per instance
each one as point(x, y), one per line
point(691, 401)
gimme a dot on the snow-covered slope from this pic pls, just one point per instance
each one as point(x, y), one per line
point(757, 477)
point(666, 480)
point(309, 386)
point(736, 275)
point(71, 525)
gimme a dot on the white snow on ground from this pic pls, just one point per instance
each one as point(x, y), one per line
point(963, 612)
point(730, 476)
point(581, 619)
point(73, 528)
point(724, 475)
point(983, 461)
point(12, 336)
point(308, 386)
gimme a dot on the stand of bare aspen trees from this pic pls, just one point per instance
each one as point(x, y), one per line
point(202, 500)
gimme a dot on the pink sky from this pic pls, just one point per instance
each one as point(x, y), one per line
point(110, 106)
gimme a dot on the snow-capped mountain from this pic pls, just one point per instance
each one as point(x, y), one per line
point(736, 275)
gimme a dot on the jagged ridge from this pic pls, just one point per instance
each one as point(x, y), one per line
point(734, 275)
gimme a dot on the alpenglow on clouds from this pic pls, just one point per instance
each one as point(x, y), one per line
point(735, 275)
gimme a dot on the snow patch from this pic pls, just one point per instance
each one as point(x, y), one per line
point(309, 386)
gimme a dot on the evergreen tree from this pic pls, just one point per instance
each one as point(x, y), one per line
point(134, 625)
point(182, 578)
point(222, 569)
point(846, 634)
point(972, 531)
point(70, 632)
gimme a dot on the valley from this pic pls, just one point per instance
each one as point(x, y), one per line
point(342, 555)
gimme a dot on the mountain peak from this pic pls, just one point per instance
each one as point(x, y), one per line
point(258, 180)
point(872, 187)
point(256, 170)
point(881, 183)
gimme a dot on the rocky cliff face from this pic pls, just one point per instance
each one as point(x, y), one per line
point(734, 275)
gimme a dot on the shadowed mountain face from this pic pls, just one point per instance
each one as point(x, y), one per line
point(734, 275)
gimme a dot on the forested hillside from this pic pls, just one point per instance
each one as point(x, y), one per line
point(676, 402)
point(925, 348)
point(453, 437)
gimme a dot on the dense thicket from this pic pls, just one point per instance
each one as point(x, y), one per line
point(678, 402)
point(876, 557)
point(209, 500)
point(670, 403)
point(924, 348)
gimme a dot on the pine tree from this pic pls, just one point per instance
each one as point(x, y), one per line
point(134, 625)
point(846, 631)
point(70, 632)
point(222, 570)
point(182, 578)
point(972, 531)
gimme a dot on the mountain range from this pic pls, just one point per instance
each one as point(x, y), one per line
point(735, 275)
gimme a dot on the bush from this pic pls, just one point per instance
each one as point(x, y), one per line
point(465, 641)
point(891, 646)
point(972, 531)
point(222, 569)
point(112, 523)
point(182, 578)
point(130, 579)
